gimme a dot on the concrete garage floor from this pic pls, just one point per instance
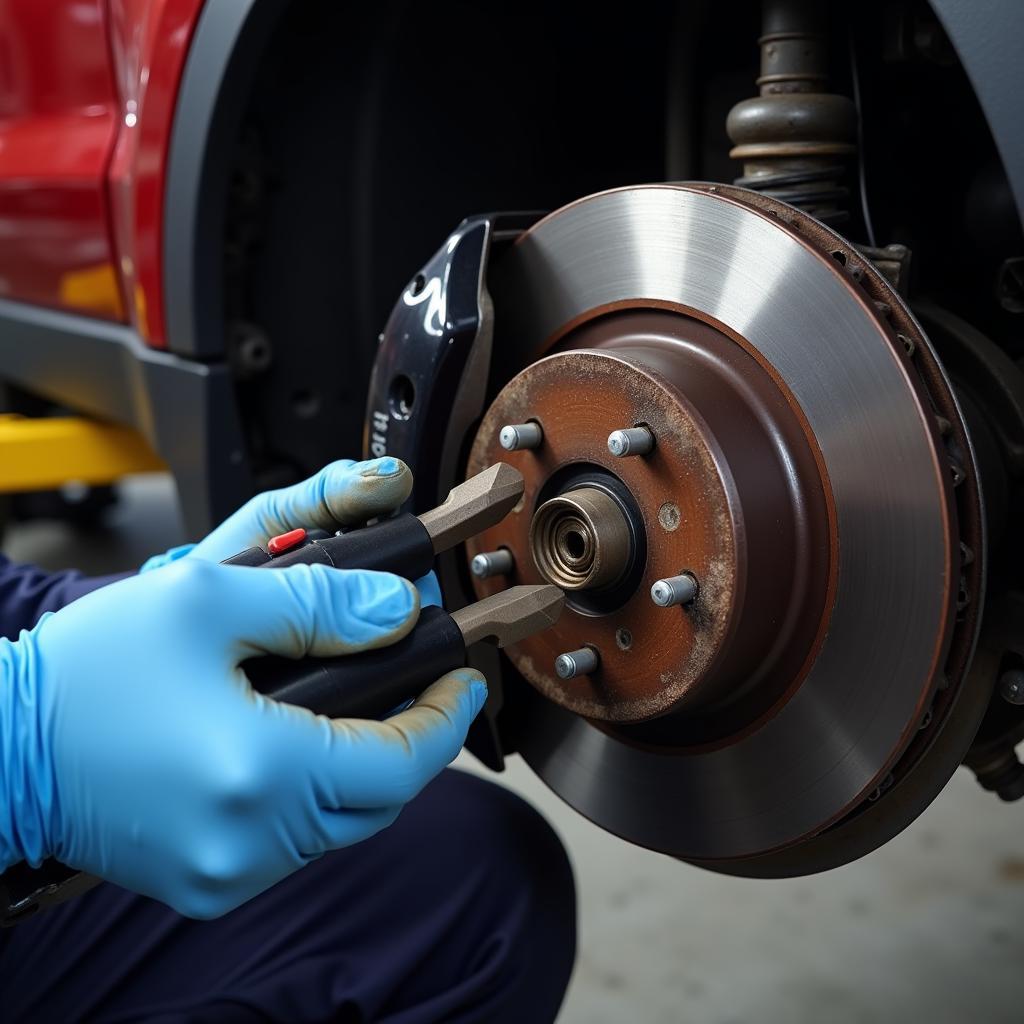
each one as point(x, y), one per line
point(930, 928)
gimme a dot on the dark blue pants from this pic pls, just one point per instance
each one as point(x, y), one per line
point(464, 910)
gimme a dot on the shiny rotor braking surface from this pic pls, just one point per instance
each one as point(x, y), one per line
point(834, 741)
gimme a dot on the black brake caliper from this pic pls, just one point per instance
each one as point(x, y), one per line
point(429, 389)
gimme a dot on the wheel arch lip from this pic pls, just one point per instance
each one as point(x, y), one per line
point(223, 58)
point(988, 39)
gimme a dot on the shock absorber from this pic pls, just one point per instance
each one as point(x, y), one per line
point(795, 138)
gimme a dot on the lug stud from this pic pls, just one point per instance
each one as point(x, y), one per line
point(516, 437)
point(577, 663)
point(492, 563)
point(631, 441)
point(674, 590)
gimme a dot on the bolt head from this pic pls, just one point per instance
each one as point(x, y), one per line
point(508, 438)
point(661, 594)
point(479, 566)
point(617, 443)
point(565, 666)
point(669, 517)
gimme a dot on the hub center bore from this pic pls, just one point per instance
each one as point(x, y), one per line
point(581, 540)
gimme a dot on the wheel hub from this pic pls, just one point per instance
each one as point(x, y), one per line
point(731, 494)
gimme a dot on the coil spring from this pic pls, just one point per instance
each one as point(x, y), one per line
point(817, 191)
point(795, 138)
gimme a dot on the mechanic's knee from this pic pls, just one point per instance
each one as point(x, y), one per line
point(531, 895)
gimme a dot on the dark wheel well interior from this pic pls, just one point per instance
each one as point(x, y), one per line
point(371, 130)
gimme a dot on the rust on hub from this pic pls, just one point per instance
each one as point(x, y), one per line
point(731, 493)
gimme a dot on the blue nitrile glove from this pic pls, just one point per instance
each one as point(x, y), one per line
point(344, 493)
point(132, 746)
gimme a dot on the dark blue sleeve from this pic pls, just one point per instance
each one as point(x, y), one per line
point(26, 592)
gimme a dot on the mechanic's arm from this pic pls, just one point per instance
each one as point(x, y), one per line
point(26, 592)
point(132, 747)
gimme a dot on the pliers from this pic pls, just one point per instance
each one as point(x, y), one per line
point(373, 683)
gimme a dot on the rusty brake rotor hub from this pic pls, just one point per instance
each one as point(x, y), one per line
point(791, 503)
point(731, 494)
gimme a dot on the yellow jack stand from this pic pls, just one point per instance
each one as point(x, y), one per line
point(44, 454)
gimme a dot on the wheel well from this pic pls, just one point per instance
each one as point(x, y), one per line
point(370, 132)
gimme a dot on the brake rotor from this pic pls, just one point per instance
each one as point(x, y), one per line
point(810, 472)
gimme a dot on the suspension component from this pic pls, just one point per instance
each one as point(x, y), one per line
point(794, 138)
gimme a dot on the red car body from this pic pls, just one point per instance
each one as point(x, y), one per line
point(91, 102)
point(87, 99)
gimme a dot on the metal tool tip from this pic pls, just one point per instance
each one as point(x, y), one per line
point(501, 474)
point(474, 505)
point(512, 615)
point(541, 598)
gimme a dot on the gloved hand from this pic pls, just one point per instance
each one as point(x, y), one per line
point(344, 493)
point(133, 748)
